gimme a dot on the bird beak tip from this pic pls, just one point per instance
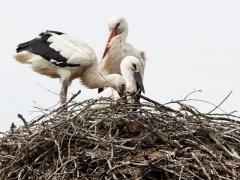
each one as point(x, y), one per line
point(121, 93)
point(139, 81)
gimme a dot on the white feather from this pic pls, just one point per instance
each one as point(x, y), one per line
point(118, 48)
point(126, 67)
point(64, 73)
point(128, 73)
point(76, 52)
point(109, 93)
point(73, 49)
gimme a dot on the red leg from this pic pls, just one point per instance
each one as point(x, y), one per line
point(63, 92)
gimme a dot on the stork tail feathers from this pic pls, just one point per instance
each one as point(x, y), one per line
point(22, 57)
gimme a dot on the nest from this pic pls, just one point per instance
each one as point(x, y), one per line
point(145, 140)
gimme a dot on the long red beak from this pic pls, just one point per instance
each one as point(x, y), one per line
point(112, 34)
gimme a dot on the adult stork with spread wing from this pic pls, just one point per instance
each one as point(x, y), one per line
point(58, 55)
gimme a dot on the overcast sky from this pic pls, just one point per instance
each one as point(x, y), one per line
point(189, 45)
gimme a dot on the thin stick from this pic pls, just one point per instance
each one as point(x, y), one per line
point(59, 108)
point(157, 103)
point(200, 163)
point(220, 103)
point(25, 123)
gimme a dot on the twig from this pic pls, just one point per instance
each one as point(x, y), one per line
point(64, 164)
point(58, 148)
point(180, 177)
point(58, 109)
point(110, 168)
point(230, 131)
point(193, 92)
point(157, 103)
point(204, 148)
point(235, 155)
point(25, 123)
point(220, 103)
point(201, 165)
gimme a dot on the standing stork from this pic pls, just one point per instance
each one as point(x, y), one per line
point(58, 55)
point(117, 48)
point(132, 70)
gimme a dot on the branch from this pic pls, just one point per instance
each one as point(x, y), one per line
point(25, 123)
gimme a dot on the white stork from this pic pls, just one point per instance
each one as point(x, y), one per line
point(58, 55)
point(132, 70)
point(117, 48)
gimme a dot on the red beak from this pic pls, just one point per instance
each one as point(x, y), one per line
point(112, 34)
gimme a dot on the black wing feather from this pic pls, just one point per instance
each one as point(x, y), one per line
point(100, 90)
point(41, 47)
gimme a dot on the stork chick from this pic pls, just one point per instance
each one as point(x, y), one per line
point(132, 70)
point(58, 55)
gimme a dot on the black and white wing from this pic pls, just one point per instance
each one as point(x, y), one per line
point(59, 49)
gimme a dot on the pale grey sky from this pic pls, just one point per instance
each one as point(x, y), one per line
point(189, 45)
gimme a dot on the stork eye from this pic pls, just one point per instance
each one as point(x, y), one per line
point(123, 87)
point(118, 24)
point(134, 66)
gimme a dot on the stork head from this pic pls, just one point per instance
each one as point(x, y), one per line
point(117, 26)
point(117, 82)
point(132, 72)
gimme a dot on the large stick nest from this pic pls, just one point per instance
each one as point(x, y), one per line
point(123, 141)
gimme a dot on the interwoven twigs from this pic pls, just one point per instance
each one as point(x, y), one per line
point(117, 140)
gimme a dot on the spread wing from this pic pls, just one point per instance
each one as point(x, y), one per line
point(60, 49)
